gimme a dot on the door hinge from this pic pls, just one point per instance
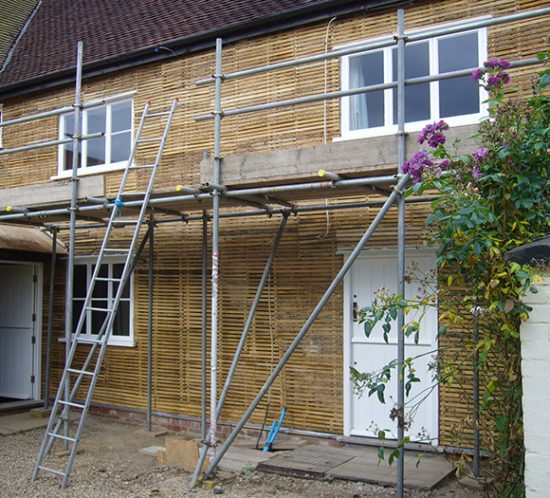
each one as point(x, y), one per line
point(34, 317)
point(33, 340)
point(32, 379)
point(34, 279)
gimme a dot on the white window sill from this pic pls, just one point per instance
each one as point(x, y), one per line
point(127, 343)
point(92, 170)
point(415, 127)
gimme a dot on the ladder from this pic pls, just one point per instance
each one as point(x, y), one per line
point(58, 428)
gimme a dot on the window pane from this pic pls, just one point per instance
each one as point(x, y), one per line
point(79, 281)
point(120, 147)
point(96, 152)
point(458, 96)
point(98, 317)
point(96, 146)
point(417, 97)
point(121, 116)
point(68, 129)
point(121, 326)
point(96, 120)
point(68, 125)
point(77, 310)
point(100, 287)
point(367, 110)
point(117, 273)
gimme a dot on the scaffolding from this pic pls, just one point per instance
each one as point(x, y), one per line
point(213, 202)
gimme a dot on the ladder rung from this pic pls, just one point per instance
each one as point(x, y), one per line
point(83, 372)
point(114, 249)
point(59, 436)
point(107, 279)
point(53, 471)
point(163, 113)
point(70, 403)
point(147, 140)
point(141, 166)
point(93, 308)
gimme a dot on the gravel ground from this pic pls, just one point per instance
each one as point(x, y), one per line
point(110, 466)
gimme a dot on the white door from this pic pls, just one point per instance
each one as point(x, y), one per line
point(364, 415)
point(17, 296)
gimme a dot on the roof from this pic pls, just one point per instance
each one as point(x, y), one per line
point(14, 15)
point(119, 32)
point(28, 239)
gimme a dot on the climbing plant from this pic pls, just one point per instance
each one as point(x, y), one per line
point(487, 203)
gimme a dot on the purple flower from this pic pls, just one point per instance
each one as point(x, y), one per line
point(479, 154)
point(496, 63)
point(416, 165)
point(433, 134)
point(436, 139)
point(493, 81)
point(478, 74)
point(475, 172)
point(444, 163)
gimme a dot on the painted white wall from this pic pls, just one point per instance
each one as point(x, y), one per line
point(535, 364)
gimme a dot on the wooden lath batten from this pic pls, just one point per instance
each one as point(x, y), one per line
point(310, 252)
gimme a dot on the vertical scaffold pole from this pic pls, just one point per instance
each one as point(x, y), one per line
point(400, 249)
point(204, 322)
point(53, 263)
point(215, 248)
point(72, 226)
point(150, 289)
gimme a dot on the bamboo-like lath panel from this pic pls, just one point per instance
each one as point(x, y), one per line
point(309, 256)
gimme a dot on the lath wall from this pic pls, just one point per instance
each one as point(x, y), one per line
point(311, 385)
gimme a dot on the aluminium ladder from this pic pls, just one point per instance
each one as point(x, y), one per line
point(59, 423)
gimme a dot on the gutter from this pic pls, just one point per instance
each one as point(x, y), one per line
point(198, 42)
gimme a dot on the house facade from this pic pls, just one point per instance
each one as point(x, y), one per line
point(130, 62)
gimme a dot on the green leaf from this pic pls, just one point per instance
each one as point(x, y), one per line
point(380, 453)
point(367, 327)
point(380, 392)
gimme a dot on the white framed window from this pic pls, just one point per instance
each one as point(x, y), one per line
point(458, 101)
point(110, 151)
point(103, 297)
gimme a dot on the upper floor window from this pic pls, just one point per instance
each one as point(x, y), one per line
point(114, 120)
point(457, 100)
point(103, 297)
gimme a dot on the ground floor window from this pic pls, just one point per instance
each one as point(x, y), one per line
point(103, 297)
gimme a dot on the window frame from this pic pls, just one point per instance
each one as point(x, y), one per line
point(389, 128)
point(83, 169)
point(89, 262)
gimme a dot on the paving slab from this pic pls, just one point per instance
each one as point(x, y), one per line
point(424, 473)
point(20, 422)
point(311, 460)
point(241, 459)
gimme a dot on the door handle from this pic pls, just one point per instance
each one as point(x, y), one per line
point(355, 311)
